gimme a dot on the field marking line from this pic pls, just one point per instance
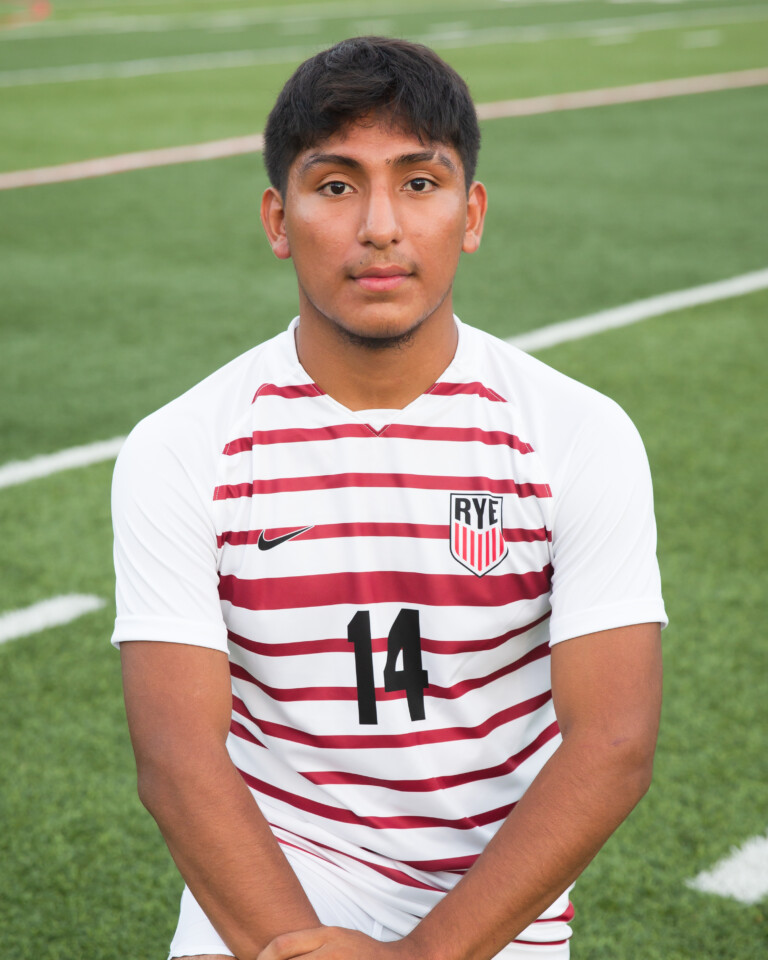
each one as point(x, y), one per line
point(277, 16)
point(232, 18)
point(140, 160)
point(629, 313)
point(76, 6)
point(228, 59)
point(34, 11)
point(47, 613)
point(525, 107)
point(742, 876)
point(581, 29)
point(22, 471)
point(633, 93)
point(154, 66)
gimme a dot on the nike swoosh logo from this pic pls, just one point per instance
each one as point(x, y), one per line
point(264, 544)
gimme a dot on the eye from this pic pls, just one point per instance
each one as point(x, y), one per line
point(420, 185)
point(335, 188)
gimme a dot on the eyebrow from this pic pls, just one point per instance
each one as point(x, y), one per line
point(405, 160)
point(425, 156)
point(330, 159)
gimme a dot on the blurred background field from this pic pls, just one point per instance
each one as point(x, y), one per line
point(119, 292)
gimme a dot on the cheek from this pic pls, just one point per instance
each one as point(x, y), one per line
point(443, 230)
point(319, 242)
point(443, 248)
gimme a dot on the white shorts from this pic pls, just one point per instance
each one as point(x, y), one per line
point(196, 936)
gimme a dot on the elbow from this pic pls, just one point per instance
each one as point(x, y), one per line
point(619, 768)
point(161, 768)
point(632, 760)
point(152, 786)
point(639, 779)
point(167, 773)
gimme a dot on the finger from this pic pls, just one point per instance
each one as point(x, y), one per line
point(297, 943)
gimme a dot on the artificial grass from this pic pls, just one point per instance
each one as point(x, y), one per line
point(61, 122)
point(694, 382)
point(122, 292)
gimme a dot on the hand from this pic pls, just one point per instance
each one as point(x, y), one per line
point(333, 943)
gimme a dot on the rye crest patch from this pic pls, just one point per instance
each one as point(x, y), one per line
point(477, 535)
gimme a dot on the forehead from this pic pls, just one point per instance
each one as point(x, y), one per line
point(375, 144)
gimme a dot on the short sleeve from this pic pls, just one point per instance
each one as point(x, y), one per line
point(165, 546)
point(606, 574)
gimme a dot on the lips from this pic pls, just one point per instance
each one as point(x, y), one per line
point(382, 278)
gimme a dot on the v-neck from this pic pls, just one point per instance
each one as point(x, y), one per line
point(377, 420)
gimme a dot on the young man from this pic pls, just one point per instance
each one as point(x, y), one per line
point(388, 602)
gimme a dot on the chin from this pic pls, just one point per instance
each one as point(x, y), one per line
point(380, 332)
point(382, 340)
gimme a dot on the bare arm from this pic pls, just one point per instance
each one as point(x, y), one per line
point(607, 694)
point(178, 701)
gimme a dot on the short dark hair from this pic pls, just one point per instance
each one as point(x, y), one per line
point(405, 83)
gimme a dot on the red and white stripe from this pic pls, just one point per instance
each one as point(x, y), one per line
point(401, 803)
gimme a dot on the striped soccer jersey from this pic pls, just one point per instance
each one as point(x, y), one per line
point(387, 585)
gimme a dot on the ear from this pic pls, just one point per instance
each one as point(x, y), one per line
point(477, 204)
point(273, 221)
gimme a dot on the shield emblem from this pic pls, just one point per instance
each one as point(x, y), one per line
point(477, 534)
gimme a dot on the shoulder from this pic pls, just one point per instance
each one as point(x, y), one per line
point(193, 429)
point(548, 402)
point(605, 573)
point(574, 430)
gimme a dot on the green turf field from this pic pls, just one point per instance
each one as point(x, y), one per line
point(119, 292)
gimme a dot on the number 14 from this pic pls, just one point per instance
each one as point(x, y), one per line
point(404, 636)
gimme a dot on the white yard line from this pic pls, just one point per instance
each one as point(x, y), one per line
point(743, 875)
point(640, 310)
point(47, 613)
point(528, 106)
point(634, 93)
point(101, 24)
point(22, 471)
point(577, 29)
point(450, 39)
point(233, 18)
point(127, 69)
point(141, 160)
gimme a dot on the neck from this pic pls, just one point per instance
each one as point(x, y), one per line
point(361, 376)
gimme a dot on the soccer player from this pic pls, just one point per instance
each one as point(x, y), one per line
point(388, 600)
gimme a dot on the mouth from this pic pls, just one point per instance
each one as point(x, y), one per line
point(382, 278)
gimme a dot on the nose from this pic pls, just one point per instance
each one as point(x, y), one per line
point(380, 223)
